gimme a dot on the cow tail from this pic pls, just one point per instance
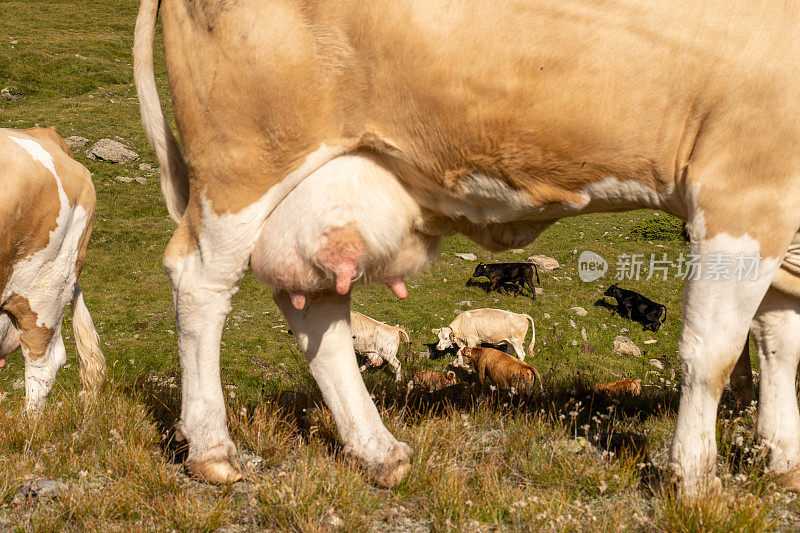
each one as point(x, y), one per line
point(533, 335)
point(92, 361)
point(537, 274)
point(174, 174)
point(664, 318)
point(537, 378)
point(403, 334)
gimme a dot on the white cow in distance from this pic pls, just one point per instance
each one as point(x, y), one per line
point(490, 326)
point(376, 341)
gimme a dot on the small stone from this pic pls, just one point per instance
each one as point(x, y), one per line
point(9, 95)
point(146, 167)
point(650, 341)
point(584, 335)
point(579, 311)
point(538, 290)
point(518, 251)
point(573, 343)
point(587, 349)
point(546, 316)
point(573, 324)
point(625, 346)
point(657, 364)
point(467, 256)
point(111, 151)
point(544, 263)
point(42, 488)
point(75, 141)
point(140, 180)
point(250, 460)
point(464, 303)
point(123, 179)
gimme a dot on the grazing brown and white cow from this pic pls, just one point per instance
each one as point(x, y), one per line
point(46, 207)
point(376, 341)
point(333, 140)
point(491, 326)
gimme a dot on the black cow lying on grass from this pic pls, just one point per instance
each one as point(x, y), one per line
point(518, 274)
point(634, 306)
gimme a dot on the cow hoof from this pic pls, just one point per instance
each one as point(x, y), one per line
point(220, 469)
point(788, 480)
point(394, 468)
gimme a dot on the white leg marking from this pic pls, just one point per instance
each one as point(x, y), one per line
point(776, 330)
point(323, 332)
point(716, 317)
point(41, 373)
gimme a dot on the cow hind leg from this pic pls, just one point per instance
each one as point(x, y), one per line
point(204, 261)
point(716, 318)
point(776, 330)
point(323, 332)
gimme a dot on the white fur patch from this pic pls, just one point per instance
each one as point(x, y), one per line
point(613, 194)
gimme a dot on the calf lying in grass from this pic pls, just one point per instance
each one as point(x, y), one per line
point(432, 380)
point(634, 306)
point(502, 369)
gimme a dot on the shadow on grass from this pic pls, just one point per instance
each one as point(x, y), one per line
point(571, 404)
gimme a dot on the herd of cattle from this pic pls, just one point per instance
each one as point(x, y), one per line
point(354, 136)
point(477, 334)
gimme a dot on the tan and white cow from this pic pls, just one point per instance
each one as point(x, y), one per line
point(333, 140)
point(491, 326)
point(376, 341)
point(47, 205)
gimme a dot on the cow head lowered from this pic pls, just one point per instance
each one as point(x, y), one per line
point(446, 338)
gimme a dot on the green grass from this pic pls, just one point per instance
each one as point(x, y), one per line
point(483, 459)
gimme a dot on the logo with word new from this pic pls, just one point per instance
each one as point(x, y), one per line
point(591, 266)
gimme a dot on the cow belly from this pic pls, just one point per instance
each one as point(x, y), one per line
point(349, 219)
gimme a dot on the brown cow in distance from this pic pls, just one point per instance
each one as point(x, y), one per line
point(502, 369)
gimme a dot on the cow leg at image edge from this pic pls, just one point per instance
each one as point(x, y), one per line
point(322, 330)
point(716, 318)
point(776, 330)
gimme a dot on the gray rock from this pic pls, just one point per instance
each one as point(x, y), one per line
point(146, 167)
point(140, 180)
point(250, 460)
point(625, 346)
point(123, 179)
point(657, 364)
point(584, 334)
point(544, 263)
point(42, 488)
point(111, 151)
point(467, 256)
point(464, 303)
point(579, 311)
point(75, 141)
point(538, 291)
point(9, 95)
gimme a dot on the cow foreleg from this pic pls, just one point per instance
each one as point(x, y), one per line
point(322, 330)
point(717, 316)
point(776, 330)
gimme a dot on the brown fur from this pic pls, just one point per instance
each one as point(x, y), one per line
point(434, 381)
point(502, 369)
point(617, 388)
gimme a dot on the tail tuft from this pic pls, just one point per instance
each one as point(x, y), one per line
point(92, 360)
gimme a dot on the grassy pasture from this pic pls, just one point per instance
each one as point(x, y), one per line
point(564, 459)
